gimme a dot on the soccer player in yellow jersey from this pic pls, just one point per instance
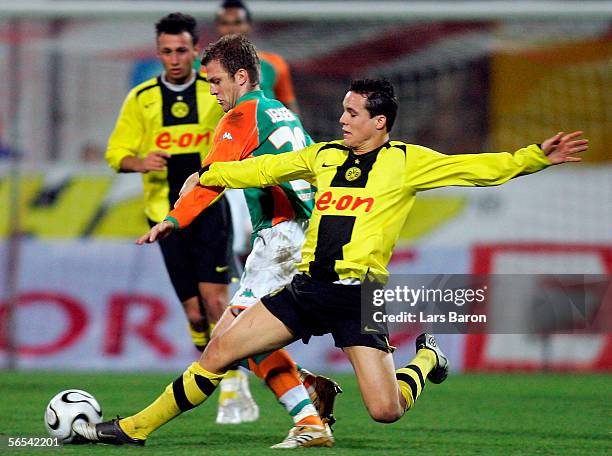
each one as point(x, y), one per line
point(366, 185)
point(164, 131)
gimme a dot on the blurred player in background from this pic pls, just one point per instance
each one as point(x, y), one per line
point(164, 131)
point(235, 17)
point(366, 188)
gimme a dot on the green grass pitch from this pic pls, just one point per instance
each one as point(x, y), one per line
point(468, 414)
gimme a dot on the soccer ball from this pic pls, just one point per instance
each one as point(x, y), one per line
point(67, 407)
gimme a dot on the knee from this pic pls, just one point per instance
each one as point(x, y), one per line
point(217, 356)
point(385, 413)
point(193, 312)
point(215, 303)
point(195, 317)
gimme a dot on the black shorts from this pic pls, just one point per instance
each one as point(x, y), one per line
point(310, 307)
point(202, 252)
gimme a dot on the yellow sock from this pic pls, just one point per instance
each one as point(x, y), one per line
point(230, 386)
point(199, 338)
point(411, 379)
point(192, 388)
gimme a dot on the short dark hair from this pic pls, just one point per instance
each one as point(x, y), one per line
point(380, 98)
point(234, 52)
point(239, 4)
point(177, 23)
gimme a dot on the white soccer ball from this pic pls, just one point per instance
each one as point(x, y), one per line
point(67, 407)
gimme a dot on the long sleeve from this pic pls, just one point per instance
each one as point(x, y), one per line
point(127, 137)
point(427, 169)
point(192, 204)
point(263, 171)
point(236, 137)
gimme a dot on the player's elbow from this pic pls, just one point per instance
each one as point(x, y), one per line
point(115, 156)
point(113, 163)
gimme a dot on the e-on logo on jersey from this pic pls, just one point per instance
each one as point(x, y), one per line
point(343, 203)
point(165, 140)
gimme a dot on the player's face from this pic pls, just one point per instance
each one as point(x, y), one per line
point(357, 125)
point(223, 86)
point(177, 54)
point(232, 20)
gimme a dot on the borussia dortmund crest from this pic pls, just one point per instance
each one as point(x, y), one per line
point(180, 109)
point(352, 173)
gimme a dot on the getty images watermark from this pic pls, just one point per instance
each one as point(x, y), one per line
point(512, 304)
point(419, 297)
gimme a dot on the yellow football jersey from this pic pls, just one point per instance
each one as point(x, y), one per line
point(362, 201)
point(157, 118)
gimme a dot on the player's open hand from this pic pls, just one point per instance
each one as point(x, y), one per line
point(563, 148)
point(159, 231)
point(190, 184)
point(155, 161)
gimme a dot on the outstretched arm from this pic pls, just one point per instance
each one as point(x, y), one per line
point(263, 171)
point(188, 207)
point(240, 125)
point(429, 169)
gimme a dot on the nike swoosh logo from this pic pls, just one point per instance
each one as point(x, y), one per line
point(366, 328)
point(325, 165)
point(221, 268)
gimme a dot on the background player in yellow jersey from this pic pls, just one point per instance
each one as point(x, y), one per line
point(235, 17)
point(366, 186)
point(164, 131)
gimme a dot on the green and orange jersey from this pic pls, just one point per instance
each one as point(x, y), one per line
point(257, 125)
point(276, 78)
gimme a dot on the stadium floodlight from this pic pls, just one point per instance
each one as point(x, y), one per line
point(316, 10)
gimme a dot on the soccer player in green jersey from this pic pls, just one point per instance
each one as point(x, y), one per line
point(164, 131)
point(256, 125)
point(366, 185)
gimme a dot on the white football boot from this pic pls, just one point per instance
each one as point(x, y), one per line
point(307, 436)
point(236, 404)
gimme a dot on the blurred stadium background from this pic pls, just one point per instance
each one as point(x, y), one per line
point(76, 294)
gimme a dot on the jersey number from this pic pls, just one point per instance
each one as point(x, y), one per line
point(294, 136)
point(285, 135)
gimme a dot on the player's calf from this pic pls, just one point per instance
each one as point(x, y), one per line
point(385, 411)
